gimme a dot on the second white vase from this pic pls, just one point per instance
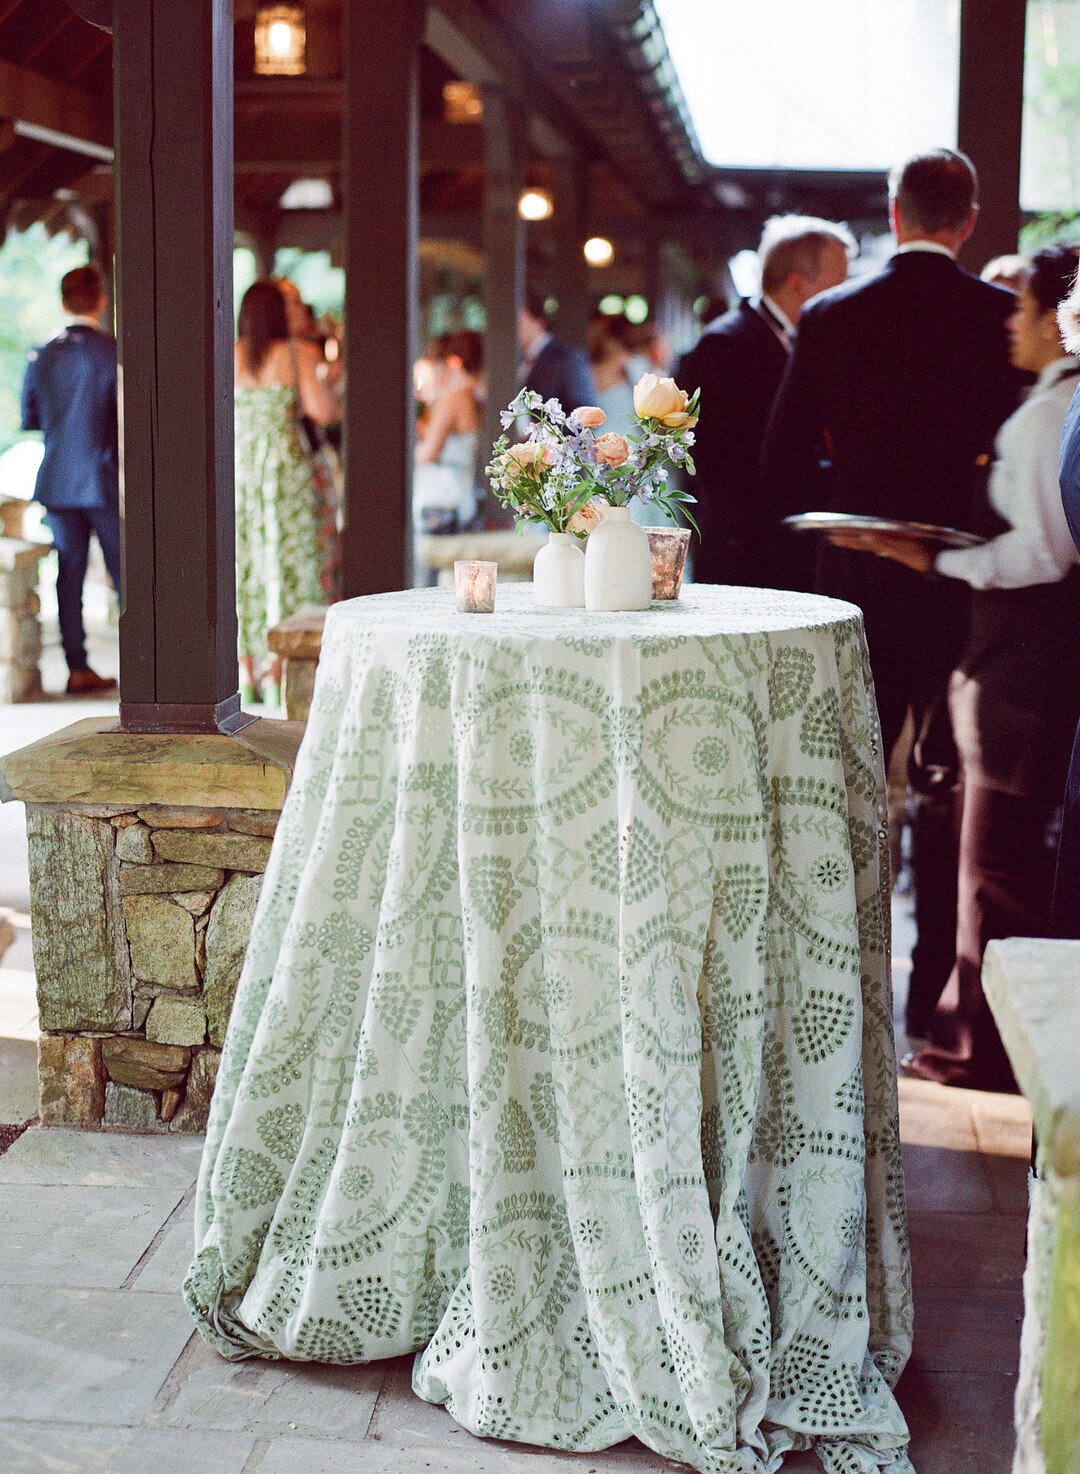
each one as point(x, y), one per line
point(618, 564)
point(559, 573)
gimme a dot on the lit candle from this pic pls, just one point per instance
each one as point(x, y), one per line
point(474, 585)
point(668, 547)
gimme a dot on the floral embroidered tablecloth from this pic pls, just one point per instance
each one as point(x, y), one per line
point(562, 1052)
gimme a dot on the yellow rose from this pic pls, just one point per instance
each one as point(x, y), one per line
point(588, 414)
point(612, 449)
point(663, 400)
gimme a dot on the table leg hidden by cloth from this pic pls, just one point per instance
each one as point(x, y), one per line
point(562, 1053)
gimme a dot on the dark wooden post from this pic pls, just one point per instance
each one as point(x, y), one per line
point(990, 119)
point(572, 318)
point(174, 211)
point(504, 250)
point(380, 171)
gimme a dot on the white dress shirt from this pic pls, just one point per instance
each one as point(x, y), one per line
point(1024, 489)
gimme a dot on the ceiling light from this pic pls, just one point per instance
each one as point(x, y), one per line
point(280, 41)
point(535, 204)
point(462, 102)
point(598, 251)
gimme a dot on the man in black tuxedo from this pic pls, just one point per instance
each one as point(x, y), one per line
point(550, 367)
point(889, 406)
point(738, 363)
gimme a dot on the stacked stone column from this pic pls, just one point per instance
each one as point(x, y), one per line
point(20, 630)
point(141, 918)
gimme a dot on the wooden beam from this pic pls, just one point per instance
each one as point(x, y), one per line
point(313, 144)
point(174, 111)
point(504, 249)
point(29, 97)
point(570, 232)
point(468, 41)
point(990, 105)
point(381, 201)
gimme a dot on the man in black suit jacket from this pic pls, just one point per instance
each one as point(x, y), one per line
point(889, 406)
point(550, 367)
point(738, 363)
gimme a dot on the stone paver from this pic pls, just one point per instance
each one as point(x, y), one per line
point(101, 1159)
point(314, 1402)
point(77, 1236)
point(43, 1448)
point(86, 1356)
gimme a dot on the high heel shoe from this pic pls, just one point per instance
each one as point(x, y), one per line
point(271, 693)
point(247, 694)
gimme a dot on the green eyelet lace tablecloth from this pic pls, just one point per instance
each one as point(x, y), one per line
point(562, 1052)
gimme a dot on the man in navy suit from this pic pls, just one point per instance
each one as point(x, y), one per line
point(889, 406)
point(550, 367)
point(69, 393)
point(738, 363)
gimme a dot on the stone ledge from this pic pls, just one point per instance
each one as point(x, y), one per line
point(15, 552)
point(1032, 986)
point(90, 763)
point(299, 637)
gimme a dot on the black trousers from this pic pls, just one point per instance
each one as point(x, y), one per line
point(914, 630)
point(1065, 917)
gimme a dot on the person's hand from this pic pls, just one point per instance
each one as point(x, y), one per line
point(906, 550)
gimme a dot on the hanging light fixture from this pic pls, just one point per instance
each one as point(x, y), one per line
point(535, 204)
point(462, 102)
point(280, 41)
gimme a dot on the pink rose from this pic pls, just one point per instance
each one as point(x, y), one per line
point(612, 449)
point(590, 415)
point(530, 455)
point(590, 516)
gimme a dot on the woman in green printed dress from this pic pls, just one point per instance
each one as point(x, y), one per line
point(277, 553)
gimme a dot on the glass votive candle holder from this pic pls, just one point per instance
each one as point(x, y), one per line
point(474, 585)
point(668, 547)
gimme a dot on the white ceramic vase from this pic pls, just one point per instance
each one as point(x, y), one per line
point(618, 564)
point(559, 573)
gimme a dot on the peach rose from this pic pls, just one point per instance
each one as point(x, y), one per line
point(590, 415)
point(663, 400)
point(612, 449)
point(529, 455)
point(590, 516)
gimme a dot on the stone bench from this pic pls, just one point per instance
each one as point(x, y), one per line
point(20, 630)
point(296, 642)
point(1033, 987)
point(513, 552)
point(146, 859)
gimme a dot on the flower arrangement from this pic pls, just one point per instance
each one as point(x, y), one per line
point(562, 465)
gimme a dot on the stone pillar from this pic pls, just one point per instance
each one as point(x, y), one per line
point(20, 632)
point(146, 859)
point(504, 249)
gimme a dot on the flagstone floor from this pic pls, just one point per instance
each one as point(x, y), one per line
point(100, 1372)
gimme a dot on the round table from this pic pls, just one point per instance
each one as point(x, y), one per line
point(562, 1052)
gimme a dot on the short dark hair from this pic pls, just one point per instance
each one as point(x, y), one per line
point(1051, 274)
point(535, 304)
point(935, 191)
point(81, 290)
point(797, 243)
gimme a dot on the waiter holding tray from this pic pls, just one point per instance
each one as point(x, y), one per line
point(889, 406)
point(1015, 695)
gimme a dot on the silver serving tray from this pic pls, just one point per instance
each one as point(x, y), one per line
point(924, 532)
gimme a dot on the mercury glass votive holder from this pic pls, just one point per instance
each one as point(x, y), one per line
point(668, 547)
point(474, 585)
